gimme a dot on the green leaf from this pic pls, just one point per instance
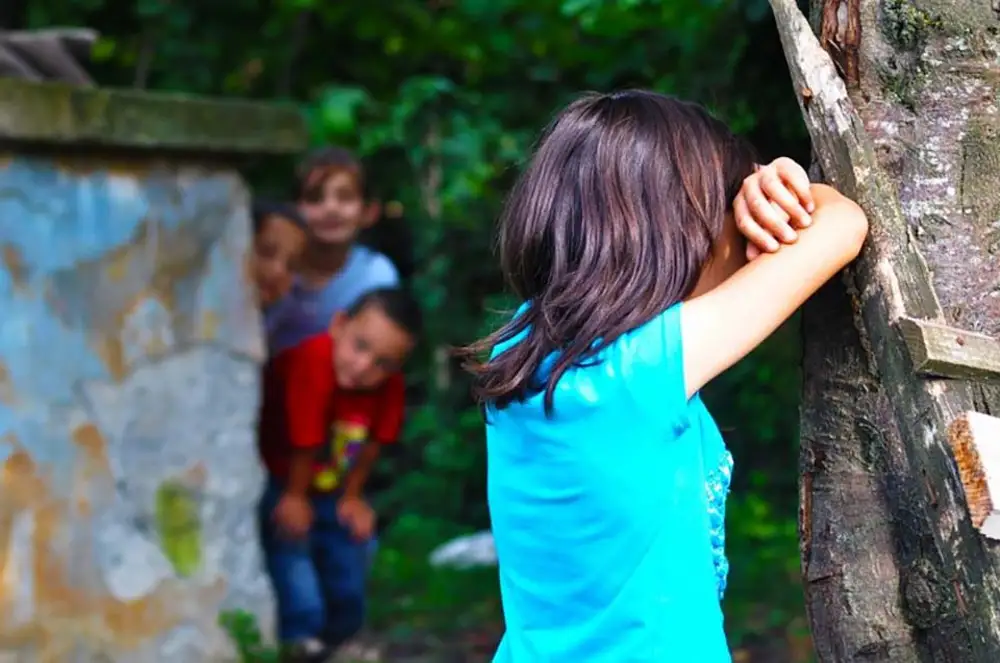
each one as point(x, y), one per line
point(339, 109)
point(103, 49)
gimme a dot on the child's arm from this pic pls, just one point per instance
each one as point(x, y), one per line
point(300, 471)
point(385, 430)
point(720, 327)
point(352, 509)
point(308, 390)
point(361, 469)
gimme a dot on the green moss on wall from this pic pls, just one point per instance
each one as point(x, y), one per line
point(58, 113)
point(179, 525)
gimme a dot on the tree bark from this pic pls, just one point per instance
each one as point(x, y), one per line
point(902, 109)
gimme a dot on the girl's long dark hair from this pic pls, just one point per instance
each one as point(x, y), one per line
point(612, 222)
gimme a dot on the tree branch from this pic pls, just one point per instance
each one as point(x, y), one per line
point(144, 62)
point(847, 156)
point(295, 45)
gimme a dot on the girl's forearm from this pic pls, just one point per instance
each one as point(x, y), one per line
point(825, 196)
point(723, 325)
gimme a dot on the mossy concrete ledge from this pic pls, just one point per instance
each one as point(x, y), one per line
point(61, 114)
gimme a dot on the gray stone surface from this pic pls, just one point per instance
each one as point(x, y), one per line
point(129, 354)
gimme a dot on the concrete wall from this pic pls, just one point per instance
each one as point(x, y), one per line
point(129, 354)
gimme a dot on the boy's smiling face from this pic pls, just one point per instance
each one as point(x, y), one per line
point(337, 210)
point(368, 347)
point(277, 248)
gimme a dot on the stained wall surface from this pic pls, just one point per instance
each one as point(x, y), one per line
point(129, 355)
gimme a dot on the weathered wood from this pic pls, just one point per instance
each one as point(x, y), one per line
point(845, 461)
point(975, 441)
point(938, 350)
point(47, 55)
point(63, 114)
point(894, 567)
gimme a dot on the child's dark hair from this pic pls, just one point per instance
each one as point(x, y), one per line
point(262, 209)
point(397, 304)
point(611, 223)
point(317, 167)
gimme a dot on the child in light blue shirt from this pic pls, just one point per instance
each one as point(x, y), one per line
point(626, 239)
point(335, 270)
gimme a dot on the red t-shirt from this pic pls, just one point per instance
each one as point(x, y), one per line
point(302, 407)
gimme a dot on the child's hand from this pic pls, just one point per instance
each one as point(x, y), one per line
point(772, 204)
point(293, 515)
point(356, 515)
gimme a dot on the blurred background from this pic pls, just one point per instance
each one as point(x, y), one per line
point(443, 98)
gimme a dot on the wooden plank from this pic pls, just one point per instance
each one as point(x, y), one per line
point(56, 54)
point(938, 350)
point(975, 443)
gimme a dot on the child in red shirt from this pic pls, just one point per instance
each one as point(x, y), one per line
point(328, 405)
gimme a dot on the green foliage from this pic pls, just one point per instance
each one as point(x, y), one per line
point(756, 404)
point(441, 600)
point(241, 626)
point(444, 98)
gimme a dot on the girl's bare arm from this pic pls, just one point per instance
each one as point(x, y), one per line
point(722, 326)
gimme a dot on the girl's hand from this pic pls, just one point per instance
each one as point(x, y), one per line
point(772, 204)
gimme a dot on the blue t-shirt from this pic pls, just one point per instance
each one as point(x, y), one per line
point(609, 517)
point(306, 311)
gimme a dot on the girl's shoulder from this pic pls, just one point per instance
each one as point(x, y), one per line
point(650, 362)
point(642, 370)
point(653, 350)
point(661, 334)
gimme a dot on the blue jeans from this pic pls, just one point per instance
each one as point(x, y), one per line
point(319, 581)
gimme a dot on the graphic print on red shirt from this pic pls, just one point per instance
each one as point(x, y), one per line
point(302, 407)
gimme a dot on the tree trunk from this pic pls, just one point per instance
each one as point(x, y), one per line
point(902, 108)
